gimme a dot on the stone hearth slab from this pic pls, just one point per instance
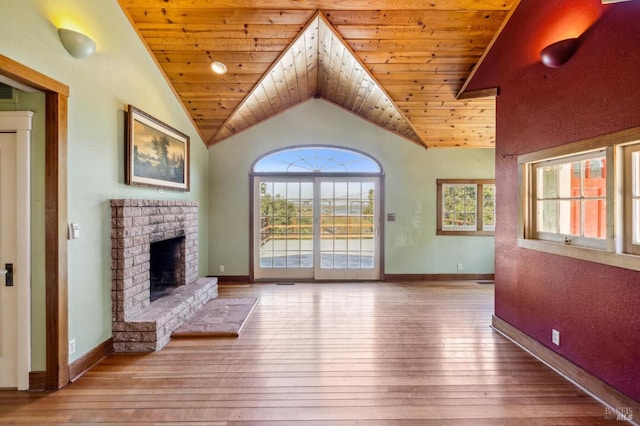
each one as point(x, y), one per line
point(218, 318)
point(151, 329)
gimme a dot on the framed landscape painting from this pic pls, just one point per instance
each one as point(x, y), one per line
point(156, 154)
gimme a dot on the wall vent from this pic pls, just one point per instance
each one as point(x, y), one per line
point(8, 95)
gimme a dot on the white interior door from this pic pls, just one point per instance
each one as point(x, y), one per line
point(8, 254)
point(15, 249)
point(324, 228)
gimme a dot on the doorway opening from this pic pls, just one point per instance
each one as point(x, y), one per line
point(57, 371)
point(316, 215)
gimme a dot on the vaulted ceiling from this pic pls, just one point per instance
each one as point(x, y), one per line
point(398, 63)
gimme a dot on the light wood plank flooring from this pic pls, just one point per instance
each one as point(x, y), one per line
point(328, 354)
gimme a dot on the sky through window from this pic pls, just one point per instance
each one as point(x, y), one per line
point(316, 160)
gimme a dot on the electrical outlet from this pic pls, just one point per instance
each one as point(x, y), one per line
point(555, 337)
point(221, 268)
point(72, 346)
point(459, 266)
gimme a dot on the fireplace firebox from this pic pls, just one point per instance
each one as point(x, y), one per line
point(166, 267)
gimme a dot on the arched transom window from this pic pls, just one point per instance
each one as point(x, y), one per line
point(317, 160)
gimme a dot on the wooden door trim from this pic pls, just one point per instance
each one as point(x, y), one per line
point(57, 357)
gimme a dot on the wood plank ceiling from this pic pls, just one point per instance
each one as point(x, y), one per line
point(399, 64)
point(318, 64)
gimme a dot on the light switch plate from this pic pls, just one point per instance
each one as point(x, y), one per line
point(74, 231)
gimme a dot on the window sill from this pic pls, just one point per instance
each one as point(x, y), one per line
point(620, 260)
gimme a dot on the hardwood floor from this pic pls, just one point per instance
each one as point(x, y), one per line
point(328, 354)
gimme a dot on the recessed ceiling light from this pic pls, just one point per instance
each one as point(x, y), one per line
point(218, 67)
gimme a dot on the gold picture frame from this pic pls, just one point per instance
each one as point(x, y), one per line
point(156, 154)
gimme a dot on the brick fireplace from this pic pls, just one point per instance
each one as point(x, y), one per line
point(140, 325)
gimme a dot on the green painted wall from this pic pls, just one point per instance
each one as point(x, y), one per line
point(411, 243)
point(120, 73)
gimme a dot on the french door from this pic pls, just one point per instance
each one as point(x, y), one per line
point(324, 228)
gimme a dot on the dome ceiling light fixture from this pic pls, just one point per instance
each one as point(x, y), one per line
point(219, 67)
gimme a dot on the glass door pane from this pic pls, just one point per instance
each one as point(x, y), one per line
point(322, 228)
point(348, 229)
point(285, 234)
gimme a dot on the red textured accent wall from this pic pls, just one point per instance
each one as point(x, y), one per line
point(595, 307)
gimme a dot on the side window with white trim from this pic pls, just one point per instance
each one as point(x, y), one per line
point(466, 206)
point(582, 200)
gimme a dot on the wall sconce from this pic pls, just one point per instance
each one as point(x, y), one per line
point(557, 54)
point(78, 45)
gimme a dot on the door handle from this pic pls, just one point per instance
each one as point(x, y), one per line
point(8, 274)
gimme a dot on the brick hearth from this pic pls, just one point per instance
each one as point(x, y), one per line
point(138, 324)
